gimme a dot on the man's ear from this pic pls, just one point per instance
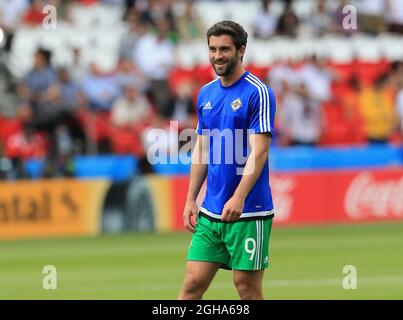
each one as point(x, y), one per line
point(242, 51)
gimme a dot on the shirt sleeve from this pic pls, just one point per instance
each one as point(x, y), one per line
point(262, 107)
point(200, 121)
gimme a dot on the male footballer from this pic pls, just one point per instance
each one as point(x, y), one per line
point(231, 229)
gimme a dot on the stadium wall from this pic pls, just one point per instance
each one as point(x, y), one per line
point(69, 207)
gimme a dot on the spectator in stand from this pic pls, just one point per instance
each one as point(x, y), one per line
point(11, 13)
point(128, 74)
point(69, 98)
point(264, 23)
point(141, 8)
point(154, 55)
point(280, 76)
point(371, 16)
point(377, 109)
point(100, 90)
point(132, 109)
point(301, 116)
point(24, 144)
point(77, 70)
point(288, 22)
point(317, 78)
point(37, 88)
point(152, 11)
point(350, 104)
point(131, 116)
point(163, 10)
point(59, 163)
point(131, 14)
point(129, 4)
point(183, 106)
point(394, 16)
point(69, 101)
point(27, 142)
point(189, 24)
point(321, 21)
point(128, 42)
point(66, 136)
point(282, 72)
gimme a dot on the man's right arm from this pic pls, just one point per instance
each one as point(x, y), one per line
point(198, 173)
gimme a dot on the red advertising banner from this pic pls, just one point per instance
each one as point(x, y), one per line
point(339, 196)
point(321, 197)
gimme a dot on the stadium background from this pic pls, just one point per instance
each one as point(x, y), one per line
point(79, 97)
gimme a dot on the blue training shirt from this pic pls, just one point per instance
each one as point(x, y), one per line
point(228, 115)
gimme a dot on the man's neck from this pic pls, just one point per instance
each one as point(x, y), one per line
point(229, 80)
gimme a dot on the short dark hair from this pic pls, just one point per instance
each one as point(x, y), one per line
point(231, 28)
point(46, 54)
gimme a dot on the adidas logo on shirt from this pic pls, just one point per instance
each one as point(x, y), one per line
point(207, 106)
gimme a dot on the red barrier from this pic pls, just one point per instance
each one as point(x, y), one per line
point(340, 196)
point(323, 197)
point(179, 185)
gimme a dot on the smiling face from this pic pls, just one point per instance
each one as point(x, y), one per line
point(223, 55)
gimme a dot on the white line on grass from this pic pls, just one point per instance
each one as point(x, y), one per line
point(168, 286)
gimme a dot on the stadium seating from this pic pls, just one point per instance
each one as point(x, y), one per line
point(97, 29)
point(8, 126)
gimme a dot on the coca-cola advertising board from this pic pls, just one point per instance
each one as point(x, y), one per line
point(338, 196)
point(318, 197)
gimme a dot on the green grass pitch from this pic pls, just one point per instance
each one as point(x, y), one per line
point(306, 263)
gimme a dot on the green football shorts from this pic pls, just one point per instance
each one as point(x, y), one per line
point(240, 245)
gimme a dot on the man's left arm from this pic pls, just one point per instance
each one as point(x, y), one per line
point(259, 144)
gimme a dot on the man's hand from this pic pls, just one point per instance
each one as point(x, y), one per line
point(233, 209)
point(190, 215)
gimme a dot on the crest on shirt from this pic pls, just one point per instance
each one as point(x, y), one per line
point(236, 104)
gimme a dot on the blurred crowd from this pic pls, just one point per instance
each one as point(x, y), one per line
point(322, 103)
point(78, 109)
point(373, 17)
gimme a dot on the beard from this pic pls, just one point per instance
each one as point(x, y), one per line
point(224, 71)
